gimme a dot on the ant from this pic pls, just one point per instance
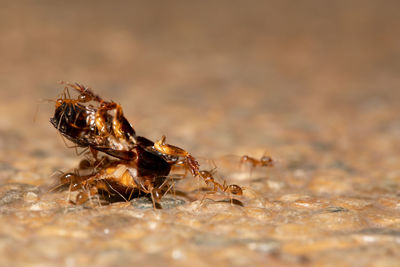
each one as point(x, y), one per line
point(209, 178)
point(231, 189)
point(264, 161)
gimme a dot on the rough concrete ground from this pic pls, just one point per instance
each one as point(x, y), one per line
point(313, 84)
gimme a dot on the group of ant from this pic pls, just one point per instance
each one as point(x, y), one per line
point(133, 165)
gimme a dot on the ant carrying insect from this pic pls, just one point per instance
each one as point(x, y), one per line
point(137, 165)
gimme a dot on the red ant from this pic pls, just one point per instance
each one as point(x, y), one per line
point(264, 161)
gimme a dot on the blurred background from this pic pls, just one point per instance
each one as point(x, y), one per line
point(214, 76)
point(314, 84)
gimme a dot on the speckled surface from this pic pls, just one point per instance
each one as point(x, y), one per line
point(314, 85)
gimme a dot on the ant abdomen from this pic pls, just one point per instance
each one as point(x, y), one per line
point(235, 190)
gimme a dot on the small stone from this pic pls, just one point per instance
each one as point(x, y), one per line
point(31, 197)
point(342, 221)
point(165, 203)
point(275, 185)
point(390, 202)
point(263, 245)
point(308, 203)
point(384, 219)
point(351, 203)
point(177, 254)
point(36, 207)
point(261, 214)
point(292, 197)
point(10, 197)
point(335, 209)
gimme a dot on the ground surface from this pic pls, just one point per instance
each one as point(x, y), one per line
point(315, 86)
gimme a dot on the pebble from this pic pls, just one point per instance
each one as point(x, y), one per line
point(330, 182)
point(31, 197)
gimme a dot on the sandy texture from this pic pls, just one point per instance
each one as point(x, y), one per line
point(314, 85)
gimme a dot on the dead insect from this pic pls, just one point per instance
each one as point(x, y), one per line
point(141, 166)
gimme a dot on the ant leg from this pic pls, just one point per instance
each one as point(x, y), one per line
point(130, 195)
point(73, 180)
point(68, 94)
point(206, 194)
point(116, 191)
point(169, 188)
point(63, 179)
point(93, 191)
point(69, 193)
point(88, 193)
point(65, 92)
point(155, 196)
point(94, 152)
point(82, 152)
point(100, 163)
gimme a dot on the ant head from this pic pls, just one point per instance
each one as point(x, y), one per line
point(84, 97)
point(210, 173)
point(68, 177)
point(59, 102)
